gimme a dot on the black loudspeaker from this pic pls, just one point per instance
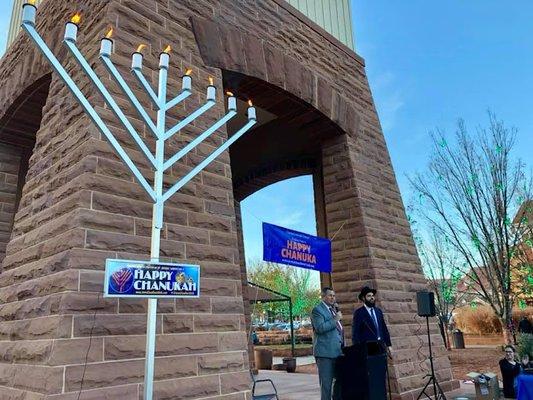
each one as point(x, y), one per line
point(425, 302)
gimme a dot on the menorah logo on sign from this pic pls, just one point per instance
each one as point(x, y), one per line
point(122, 280)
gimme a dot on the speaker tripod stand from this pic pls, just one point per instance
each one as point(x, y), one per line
point(437, 391)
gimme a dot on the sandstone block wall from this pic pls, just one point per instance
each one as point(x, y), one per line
point(10, 163)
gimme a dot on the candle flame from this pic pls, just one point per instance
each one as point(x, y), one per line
point(31, 2)
point(250, 103)
point(140, 47)
point(188, 72)
point(167, 49)
point(76, 18)
point(109, 33)
point(229, 93)
point(211, 81)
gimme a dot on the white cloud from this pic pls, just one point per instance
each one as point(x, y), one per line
point(383, 80)
point(389, 108)
point(290, 220)
point(388, 97)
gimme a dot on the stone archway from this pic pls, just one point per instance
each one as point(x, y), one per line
point(355, 186)
point(18, 127)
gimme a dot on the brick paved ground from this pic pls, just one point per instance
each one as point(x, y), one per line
point(305, 386)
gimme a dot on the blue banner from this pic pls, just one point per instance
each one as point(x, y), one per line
point(285, 246)
point(127, 278)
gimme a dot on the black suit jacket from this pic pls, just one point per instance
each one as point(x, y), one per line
point(364, 329)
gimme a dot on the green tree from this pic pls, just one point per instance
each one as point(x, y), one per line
point(293, 282)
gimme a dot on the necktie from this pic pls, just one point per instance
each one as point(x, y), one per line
point(374, 318)
point(340, 328)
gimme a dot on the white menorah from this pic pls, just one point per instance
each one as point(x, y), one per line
point(158, 129)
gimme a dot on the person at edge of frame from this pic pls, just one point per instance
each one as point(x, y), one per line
point(328, 340)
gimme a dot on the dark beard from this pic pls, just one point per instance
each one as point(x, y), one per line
point(369, 304)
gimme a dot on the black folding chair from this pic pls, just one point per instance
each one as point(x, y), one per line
point(266, 396)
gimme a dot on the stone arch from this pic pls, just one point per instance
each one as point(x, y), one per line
point(21, 119)
point(356, 193)
point(230, 49)
point(296, 99)
point(18, 127)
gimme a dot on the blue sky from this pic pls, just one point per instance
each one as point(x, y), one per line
point(428, 63)
point(5, 13)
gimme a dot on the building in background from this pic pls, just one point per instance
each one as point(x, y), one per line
point(334, 16)
point(16, 18)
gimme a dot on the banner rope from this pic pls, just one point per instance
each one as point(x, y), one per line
point(338, 230)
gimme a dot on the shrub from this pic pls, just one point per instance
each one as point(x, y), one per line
point(478, 321)
point(482, 320)
point(525, 344)
point(518, 314)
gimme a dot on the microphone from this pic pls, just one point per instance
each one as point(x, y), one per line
point(336, 306)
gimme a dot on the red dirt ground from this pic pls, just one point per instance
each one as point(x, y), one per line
point(481, 359)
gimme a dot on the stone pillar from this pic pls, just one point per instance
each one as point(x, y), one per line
point(375, 246)
point(80, 205)
point(244, 279)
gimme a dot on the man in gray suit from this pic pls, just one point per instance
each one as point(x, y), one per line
point(328, 339)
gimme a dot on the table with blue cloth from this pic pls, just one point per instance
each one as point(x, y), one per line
point(524, 387)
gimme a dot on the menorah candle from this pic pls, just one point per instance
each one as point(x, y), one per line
point(251, 111)
point(137, 61)
point(186, 81)
point(106, 47)
point(164, 58)
point(232, 102)
point(71, 29)
point(28, 13)
point(137, 58)
point(211, 90)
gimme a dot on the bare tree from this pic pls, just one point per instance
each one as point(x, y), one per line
point(522, 274)
point(470, 194)
point(442, 267)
